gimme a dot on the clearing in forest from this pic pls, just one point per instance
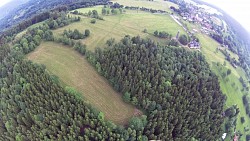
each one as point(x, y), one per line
point(74, 70)
point(117, 26)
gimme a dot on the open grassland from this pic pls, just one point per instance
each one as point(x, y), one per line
point(74, 70)
point(117, 26)
point(232, 86)
point(156, 4)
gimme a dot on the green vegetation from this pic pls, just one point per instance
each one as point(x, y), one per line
point(137, 68)
point(183, 39)
point(76, 34)
point(230, 85)
point(175, 92)
point(73, 70)
point(155, 4)
point(130, 23)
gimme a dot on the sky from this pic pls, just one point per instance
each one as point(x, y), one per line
point(3, 2)
point(238, 9)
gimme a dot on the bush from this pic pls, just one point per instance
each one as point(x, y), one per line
point(242, 119)
point(183, 39)
point(173, 43)
point(136, 123)
point(87, 32)
point(75, 12)
point(126, 97)
point(93, 21)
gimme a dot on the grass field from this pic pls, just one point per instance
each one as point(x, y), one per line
point(233, 93)
point(74, 70)
point(156, 4)
point(117, 26)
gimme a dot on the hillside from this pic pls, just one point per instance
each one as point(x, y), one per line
point(119, 72)
point(36, 7)
point(7, 8)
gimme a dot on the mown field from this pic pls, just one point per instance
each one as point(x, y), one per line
point(117, 26)
point(74, 70)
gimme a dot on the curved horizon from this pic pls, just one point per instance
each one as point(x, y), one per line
point(235, 9)
point(4, 2)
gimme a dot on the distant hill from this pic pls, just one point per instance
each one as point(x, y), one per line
point(7, 8)
point(29, 8)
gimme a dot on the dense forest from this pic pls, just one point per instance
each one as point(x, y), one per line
point(172, 85)
point(175, 87)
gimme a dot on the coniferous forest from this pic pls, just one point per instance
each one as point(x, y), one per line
point(175, 87)
point(179, 95)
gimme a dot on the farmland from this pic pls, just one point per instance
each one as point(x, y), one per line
point(117, 26)
point(73, 70)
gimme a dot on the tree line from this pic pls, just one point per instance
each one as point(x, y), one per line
point(76, 34)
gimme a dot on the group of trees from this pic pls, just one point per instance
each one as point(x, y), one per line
point(78, 46)
point(175, 87)
point(33, 39)
point(162, 34)
point(94, 14)
point(76, 34)
point(231, 118)
point(145, 9)
point(107, 11)
point(61, 21)
point(229, 58)
point(246, 101)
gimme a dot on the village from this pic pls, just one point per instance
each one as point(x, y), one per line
point(204, 19)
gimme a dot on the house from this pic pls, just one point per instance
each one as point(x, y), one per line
point(236, 137)
point(194, 45)
point(195, 30)
point(224, 136)
point(234, 65)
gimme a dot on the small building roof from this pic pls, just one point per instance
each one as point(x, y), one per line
point(224, 136)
